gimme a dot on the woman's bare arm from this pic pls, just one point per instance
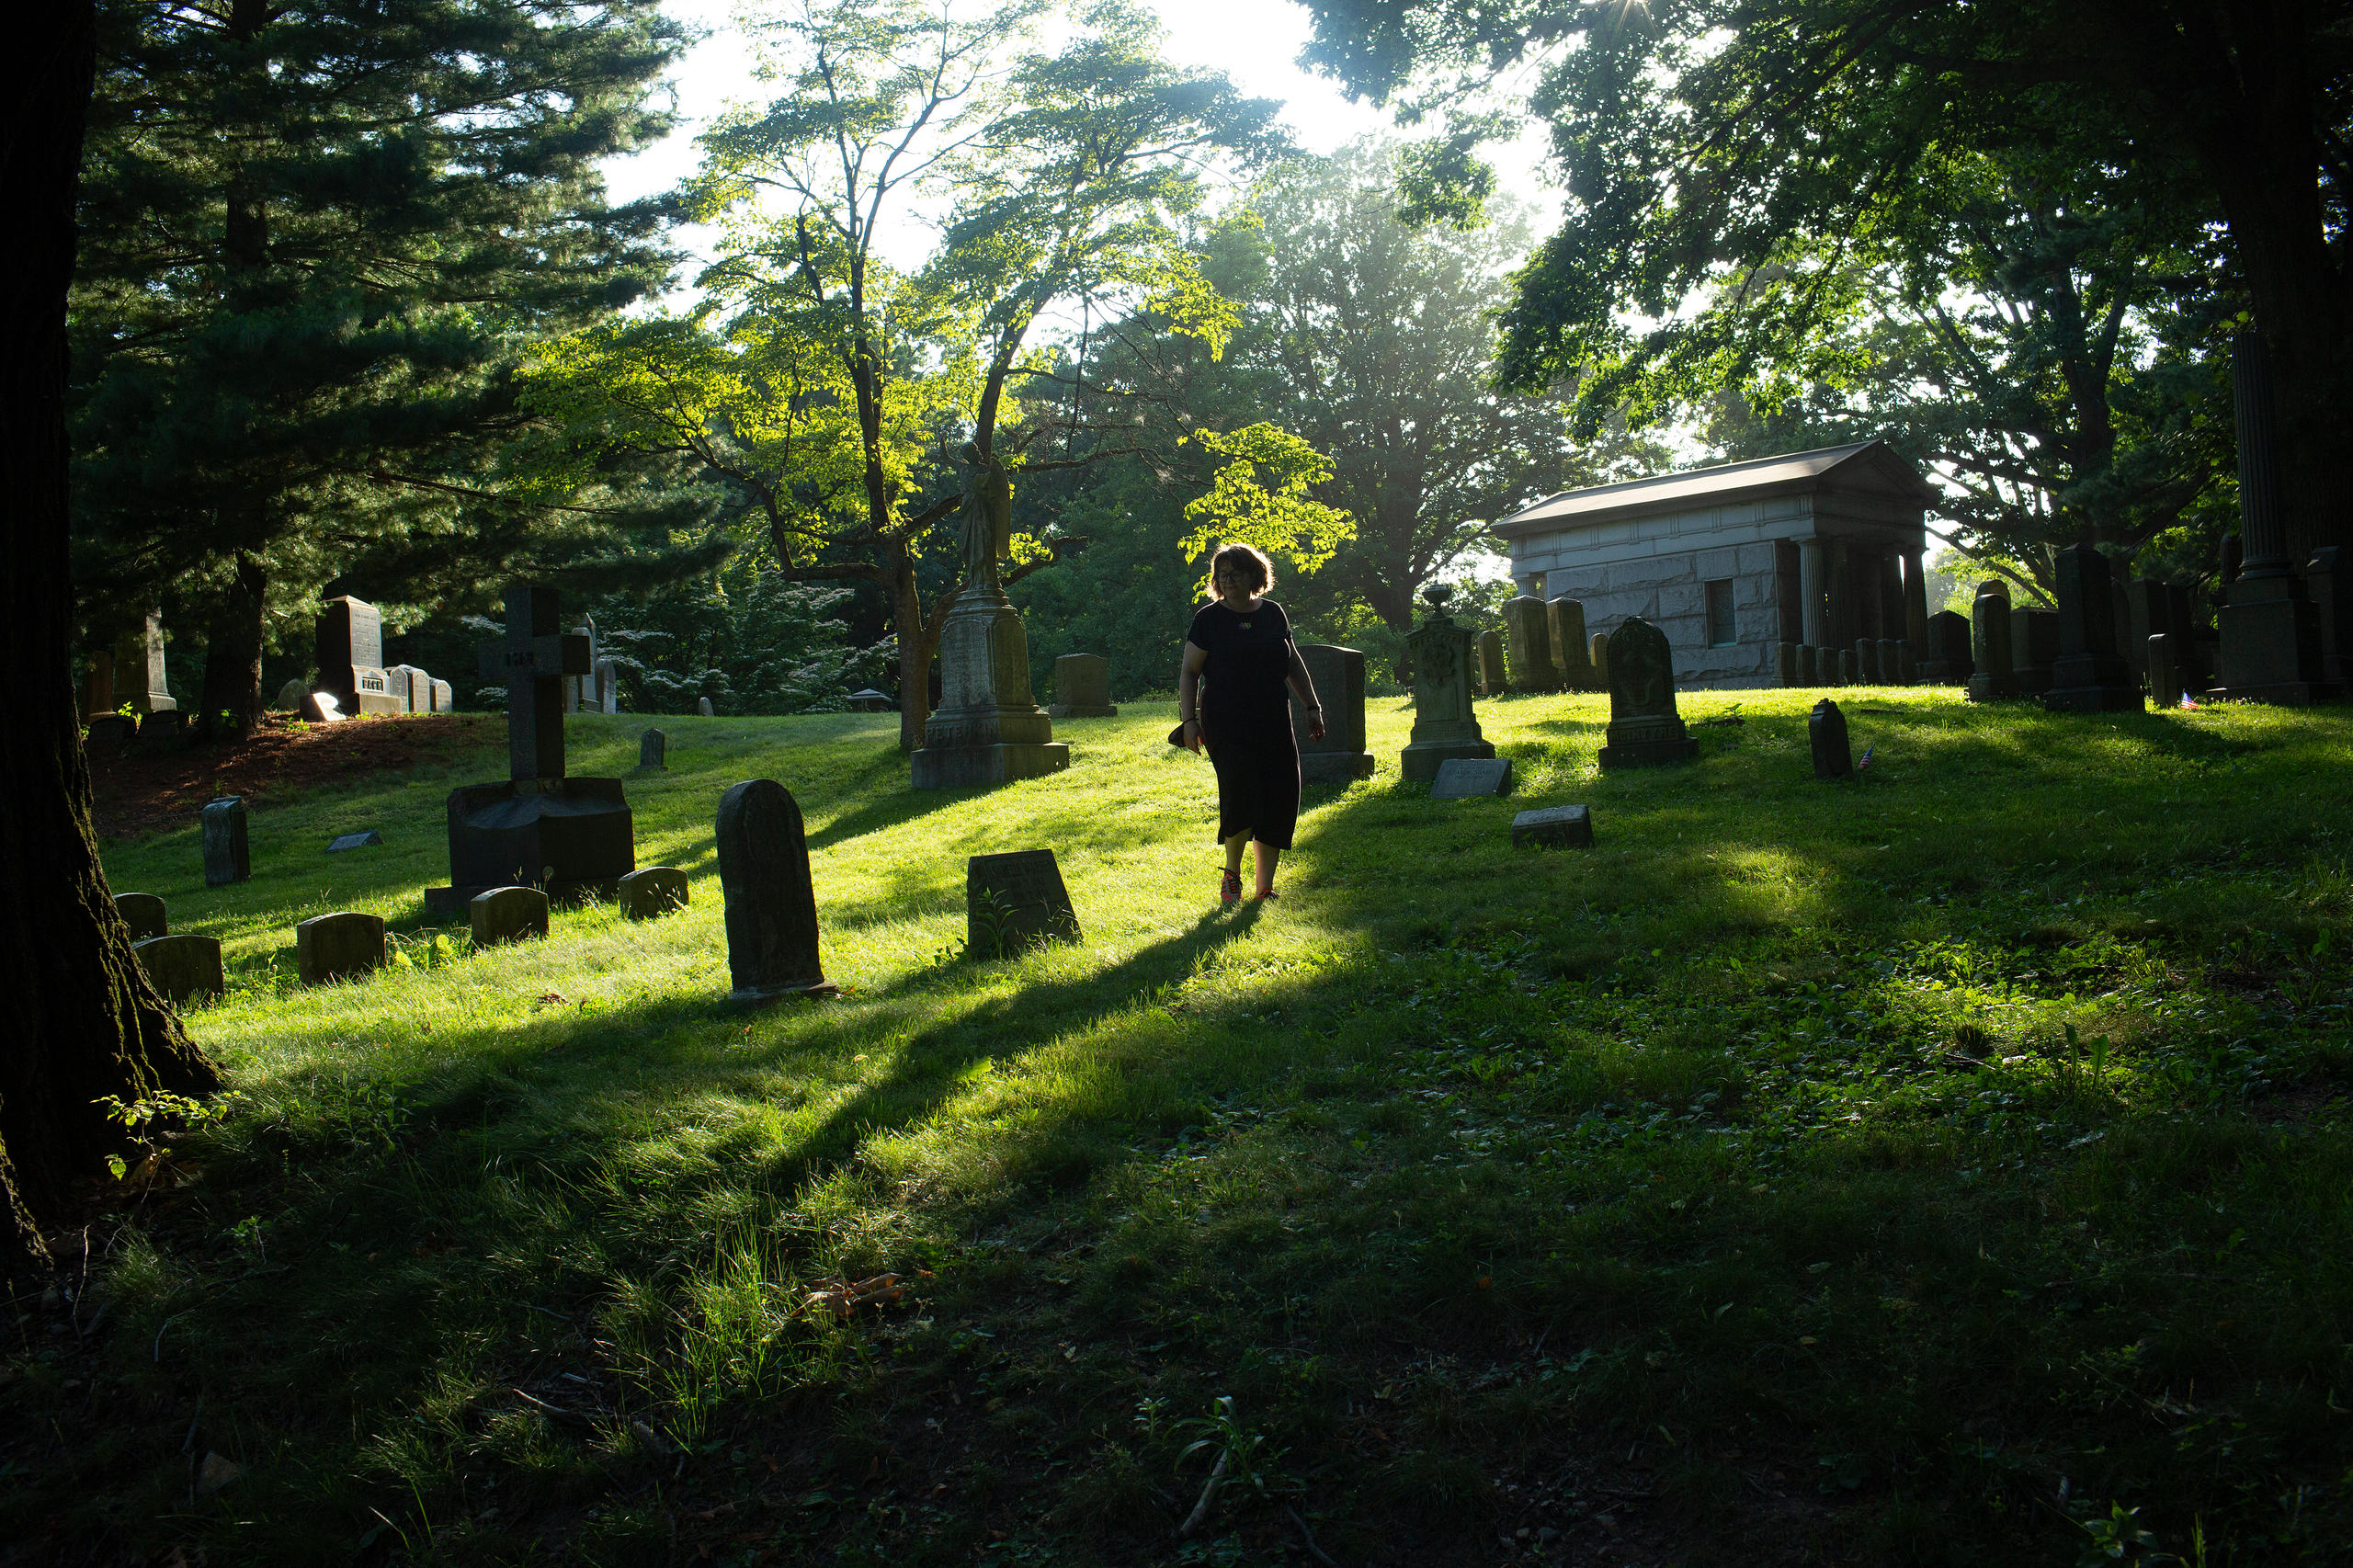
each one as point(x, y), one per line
point(1188, 689)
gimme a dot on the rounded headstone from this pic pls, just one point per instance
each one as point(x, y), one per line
point(703, 707)
point(508, 915)
point(771, 903)
point(652, 751)
point(655, 890)
point(227, 858)
point(338, 946)
point(109, 734)
point(182, 967)
point(290, 696)
point(144, 913)
point(1825, 732)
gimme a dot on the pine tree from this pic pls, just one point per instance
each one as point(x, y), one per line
point(316, 239)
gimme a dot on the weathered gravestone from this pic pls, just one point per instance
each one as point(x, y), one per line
point(166, 730)
point(1336, 676)
point(443, 699)
point(2034, 648)
point(1565, 619)
point(1016, 900)
point(1528, 646)
point(1826, 732)
point(1559, 827)
point(651, 892)
point(704, 709)
point(1867, 661)
point(109, 735)
point(221, 827)
point(290, 696)
point(183, 967)
point(144, 913)
point(321, 707)
point(653, 751)
point(1891, 662)
point(1597, 655)
point(574, 837)
point(771, 902)
point(348, 841)
point(350, 649)
point(1950, 662)
point(1907, 669)
point(508, 915)
point(1809, 665)
point(1845, 675)
point(328, 948)
point(1492, 680)
point(1989, 623)
point(1470, 777)
point(1445, 724)
point(1785, 663)
point(2089, 675)
point(131, 674)
point(1083, 688)
point(1644, 728)
point(2165, 677)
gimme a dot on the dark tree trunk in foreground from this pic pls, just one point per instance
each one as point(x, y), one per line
point(233, 657)
point(82, 1021)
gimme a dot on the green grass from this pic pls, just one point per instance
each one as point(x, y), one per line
point(1909, 1169)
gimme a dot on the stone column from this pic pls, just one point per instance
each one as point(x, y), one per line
point(1810, 588)
point(2271, 636)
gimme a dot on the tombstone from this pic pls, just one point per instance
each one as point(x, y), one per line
point(771, 902)
point(131, 674)
point(1565, 619)
point(1553, 827)
point(609, 687)
point(2165, 677)
point(1867, 661)
point(651, 892)
point(1990, 624)
point(2271, 638)
point(1785, 663)
point(2034, 648)
point(1907, 670)
point(144, 913)
point(508, 915)
point(574, 837)
point(163, 730)
point(1336, 676)
point(348, 841)
point(1016, 900)
point(1809, 665)
point(342, 946)
point(2089, 675)
point(1528, 646)
point(868, 701)
point(703, 707)
point(1826, 732)
point(290, 696)
point(1891, 662)
point(444, 698)
point(1847, 675)
point(223, 829)
point(321, 707)
point(1950, 662)
point(350, 647)
point(182, 967)
point(1445, 724)
point(1645, 729)
point(410, 686)
point(575, 687)
point(1597, 656)
point(1472, 777)
point(1492, 680)
point(2131, 649)
point(2330, 589)
point(1083, 688)
point(653, 751)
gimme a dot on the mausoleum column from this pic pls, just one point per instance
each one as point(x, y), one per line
point(1915, 604)
point(1809, 587)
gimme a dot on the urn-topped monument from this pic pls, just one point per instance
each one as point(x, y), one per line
point(988, 729)
point(1445, 727)
point(571, 837)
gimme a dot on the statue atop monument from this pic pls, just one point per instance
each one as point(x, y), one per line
point(985, 529)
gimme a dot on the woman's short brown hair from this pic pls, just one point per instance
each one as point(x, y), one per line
point(1247, 562)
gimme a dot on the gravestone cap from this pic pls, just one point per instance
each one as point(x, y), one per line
point(651, 892)
point(508, 915)
point(1470, 778)
point(1554, 826)
point(144, 913)
point(1016, 899)
point(183, 967)
point(341, 946)
point(355, 841)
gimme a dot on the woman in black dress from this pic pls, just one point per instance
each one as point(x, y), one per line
point(1242, 644)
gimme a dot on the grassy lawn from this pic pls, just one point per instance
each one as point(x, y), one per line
point(1935, 1166)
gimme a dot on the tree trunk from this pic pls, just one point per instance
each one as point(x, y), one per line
point(83, 1020)
point(231, 698)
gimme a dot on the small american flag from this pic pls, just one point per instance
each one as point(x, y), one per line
point(1867, 758)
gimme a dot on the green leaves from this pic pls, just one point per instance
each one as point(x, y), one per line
point(1260, 497)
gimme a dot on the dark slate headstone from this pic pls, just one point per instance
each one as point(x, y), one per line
point(1016, 900)
point(166, 730)
point(1950, 662)
point(1891, 662)
point(1990, 625)
point(2329, 586)
point(2034, 648)
point(1825, 732)
point(771, 902)
point(2165, 671)
point(1867, 661)
point(1785, 663)
point(1644, 728)
point(338, 946)
point(144, 913)
point(1336, 676)
point(1847, 668)
point(183, 967)
point(1809, 665)
point(355, 841)
point(1555, 827)
point(2089, 675)
point(652, 751)
point(653, 892)
point(1472, 777)
point(508, 915)
point(222, 827)
point(110, 735)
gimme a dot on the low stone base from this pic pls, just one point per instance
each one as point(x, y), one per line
point(1991, 688)
point(762, 996)
point(2093, 683)
point(1065, 711)
point(1418, 764)
point(1648, 754)
point(445, 903)
point(965, 768)
point(1337, 766)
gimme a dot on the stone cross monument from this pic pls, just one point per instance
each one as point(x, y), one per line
point(1445, 726)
